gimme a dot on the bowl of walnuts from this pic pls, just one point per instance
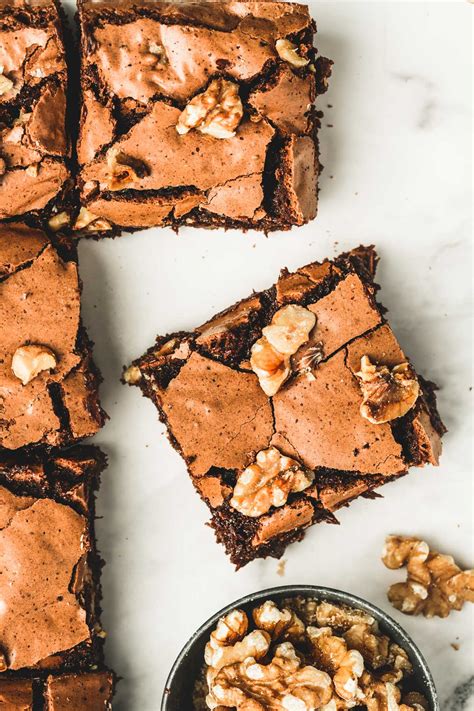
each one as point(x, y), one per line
point(300, 648)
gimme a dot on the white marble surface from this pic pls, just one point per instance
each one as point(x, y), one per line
point(397, 159)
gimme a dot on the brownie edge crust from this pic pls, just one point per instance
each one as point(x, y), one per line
point(198, 114)
point(276, 440)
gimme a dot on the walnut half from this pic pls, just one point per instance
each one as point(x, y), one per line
point(268, 482)
point(435, 585)
point(388, 394)
point(217, 111)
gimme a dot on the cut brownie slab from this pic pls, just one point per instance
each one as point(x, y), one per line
point(49, 582)
point(292, 403)
point(199, 114)
point(86, 691)
point(34, 147)
point(48, 383)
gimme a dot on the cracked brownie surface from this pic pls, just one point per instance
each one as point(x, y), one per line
point(201, 114)
point(34, 146)
point(48, 382)
point(47, 545)
point(269, 465)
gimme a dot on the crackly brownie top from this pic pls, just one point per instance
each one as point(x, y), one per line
point(43, 364)
point(46, 510)
point(182, 103)
point(76, 692)
point(227, 392)
point(33, 143)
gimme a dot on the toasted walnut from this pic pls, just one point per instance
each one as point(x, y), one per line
point(56, 222)
point(89, 222)
point(435, 584)
point(388, 394)
point(373, 647)
point(132, 375)
point(30, 360)
point(270, 355)
point(283, 683)
point(268, 482)
point(6, 84)
point(281, 624)
point(340, 617)
point(124, 170)
point(230, 629)
point(346, 665)
point(287, 51)
point(217, 111)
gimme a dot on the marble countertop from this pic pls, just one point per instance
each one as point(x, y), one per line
point(395, 144)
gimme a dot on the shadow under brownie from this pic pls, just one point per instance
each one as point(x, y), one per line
point(199, 114)
point(49, 587)
point(276, 441)
point(34, 145)
point(48, 382)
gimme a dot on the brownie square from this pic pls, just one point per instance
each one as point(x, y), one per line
point(292, 403)
point(34, 145)
point(86, 691)
point(48, 382)
point(49, 582)
point(199, 114)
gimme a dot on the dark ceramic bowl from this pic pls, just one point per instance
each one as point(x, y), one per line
point(179, 686)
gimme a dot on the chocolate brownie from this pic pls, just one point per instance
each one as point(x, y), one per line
point(292, 403)
point(86, 691)
point(48, 382)
point(49, 582)
point(34, 145)
point(199, 114)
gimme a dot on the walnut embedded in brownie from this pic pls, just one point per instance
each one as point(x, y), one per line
point(199, 114)
point(88, 690)
point(34, 144)
point(291, 404)
point(49, 586)
point(48, 382)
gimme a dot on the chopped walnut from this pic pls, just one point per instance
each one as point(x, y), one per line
point(6, 84)
point(268, 482)
point(346, 665)
point(281, 624)
point(124, 170)
point(435, 584)
point(86, 220)
point(56, 222)
point(32, 170)
point(158, 52)
point(30, 360)
point(217, 111)
point(132, 375)
point(388, 394)
point(270, 355)
point(287, 51)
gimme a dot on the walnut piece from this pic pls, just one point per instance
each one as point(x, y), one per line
point(287, 51)
point(158, 53)
point(435, 585)
point(388, 394)
point(6, 84)
point(385, 696)
point(86, 220)
point(281, 624)
point(345, 665)
point(217, 111)
point(124, 170)
point(270, 355)
point(132, 375)
point(268, 482)
point(30, 360)
point(32, 170)
point(57, 221)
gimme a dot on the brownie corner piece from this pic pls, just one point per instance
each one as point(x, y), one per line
point(48, 544)
point(48, 381)
point(35, 176)
point(291, 404)
point(83, 691)
point(199, 114)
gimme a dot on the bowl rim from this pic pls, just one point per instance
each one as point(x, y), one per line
point(333, 594)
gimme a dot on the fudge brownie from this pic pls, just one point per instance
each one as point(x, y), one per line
point(34, 145)
point(49, 582)
point(86, 691)
point(292, 403)
point(48, 382)
point(199, 114)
